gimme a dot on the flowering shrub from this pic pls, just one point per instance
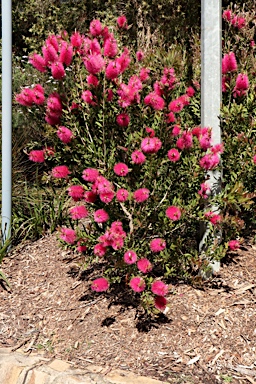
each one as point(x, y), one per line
point(125, 141)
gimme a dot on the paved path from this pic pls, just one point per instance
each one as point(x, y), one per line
point(20, 368)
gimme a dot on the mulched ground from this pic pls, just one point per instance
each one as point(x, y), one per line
point(207, 336)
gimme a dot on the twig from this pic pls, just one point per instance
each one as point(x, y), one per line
point(129, 217)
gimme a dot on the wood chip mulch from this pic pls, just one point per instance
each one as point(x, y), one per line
point(208, 334)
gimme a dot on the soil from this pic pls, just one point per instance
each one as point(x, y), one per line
point(207, 335)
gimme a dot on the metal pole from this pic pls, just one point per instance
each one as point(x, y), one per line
point(211, 91)
point(6, 119)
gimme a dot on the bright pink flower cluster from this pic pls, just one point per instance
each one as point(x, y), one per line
point(37, 155)
point(242, 85)
point(64, 134)
point(234, 245)
point(137, 284)
point(144, 265)
point(100, 285)
point(30, 96)
point(114, 236)
point(229, 63)
point(68, 235)
point(204, 190)
point(151, 145)
point(130, 257)
point(76, 192)
point(157, 245)
point(56, 54)
point(214, 218)
point(60, 172)
point(78, 212)
point(173, 213)
point(237, 21)
point(159, 288)
point(53, 109)
point(141, 195)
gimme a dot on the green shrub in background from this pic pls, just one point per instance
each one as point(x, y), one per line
point(121, 135)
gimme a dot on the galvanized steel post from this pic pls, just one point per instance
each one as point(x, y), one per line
point(6, 119)
point(211, 53)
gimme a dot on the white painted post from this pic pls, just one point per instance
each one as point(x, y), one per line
point(6, 119)
point(211, 53)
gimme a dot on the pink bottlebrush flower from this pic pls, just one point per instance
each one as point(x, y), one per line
point(185, 99)
point(113, 70)
point(234, 245)
point(61, 172)
point(238, 22)
point(50, 54)
point(94, 63)
point(159, 288)
point(144, 74)
point(190, 91)
point(205, 142)
point(52, 40)
point(122, 195)
point(38, 97)
point(88, 97)
point(121, 169)
point(107, 196)
point(38, 62)
point(37, 155)
point(176, 106)
point(254, 159)
point(100, 285)
point(141, 195)
point(196, 131)
point(81, 247)
point(176, 130)
point(102, 184)
point(110, 48)
point(209, 161)
point(173, 213)
point(138, 157)
point(160, 303)
point(123, 119)
point(168, 79)
point(68, 235)
point(52, 119)
point(99, 250)
point(66, 54)
point(217, 148)
point(170, 117)
point(130, 257)
point(110, 95)
point(124, 60)
point(150, 131)
point(213, 217)
point(150, 144)
point(227, 15)
point(78, 212)
point(185, 141)
point(157, 245)
point(154, 101)
point(204, 191)
point(64, 134)
point(76, 192)
point(92, 80)
point(101, 216)
point(54, 103)
point(76, 39)
point(26, 97)
point(158, 88)
point(144, 265)
point(122, 22)
point(229, 63)
point(90, 174)
point(94, 47)
point(139, 55)
point(242, 82)
point(173, 155)
point(137, 284)
point(95, 27)
point(90, 196)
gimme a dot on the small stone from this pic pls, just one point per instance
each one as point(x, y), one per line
point(59, 365)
